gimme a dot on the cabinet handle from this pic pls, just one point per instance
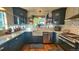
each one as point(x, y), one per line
point(1, 48)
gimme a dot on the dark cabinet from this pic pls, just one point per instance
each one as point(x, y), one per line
point(5, 47)
point(37, 39)
point(27, 37)
point(17, 43)
point(14, 44)
point(53, 38)
point(58, 16)
point(8, 46)
point(20, 15)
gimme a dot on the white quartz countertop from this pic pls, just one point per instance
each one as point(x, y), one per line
point(8, 37)
point(37, 33)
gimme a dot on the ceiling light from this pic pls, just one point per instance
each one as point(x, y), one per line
point(39, 10)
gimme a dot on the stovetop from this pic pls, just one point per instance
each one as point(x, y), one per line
point(71, 36)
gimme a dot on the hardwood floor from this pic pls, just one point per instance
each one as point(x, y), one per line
point(46, 47)
point(42, 47)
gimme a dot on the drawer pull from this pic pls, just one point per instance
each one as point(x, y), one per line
point(1, 48)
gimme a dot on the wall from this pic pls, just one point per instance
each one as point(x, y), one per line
point(35, 10)
point(10, 19)
point(72, 25)
point(30, 13)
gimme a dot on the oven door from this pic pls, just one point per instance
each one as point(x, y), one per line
point(66, 45)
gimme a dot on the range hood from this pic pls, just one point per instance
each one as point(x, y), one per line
point(76, 16)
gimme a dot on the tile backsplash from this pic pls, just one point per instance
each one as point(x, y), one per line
point(72, 25)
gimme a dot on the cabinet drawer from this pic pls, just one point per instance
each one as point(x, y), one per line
point(37, 39)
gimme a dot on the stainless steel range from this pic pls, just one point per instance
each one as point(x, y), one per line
point(69, 41)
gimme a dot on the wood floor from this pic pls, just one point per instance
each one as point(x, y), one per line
point(42, 47)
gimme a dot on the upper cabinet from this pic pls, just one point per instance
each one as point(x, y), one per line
point(71, 12)
point(58, 16)
point(20, 15)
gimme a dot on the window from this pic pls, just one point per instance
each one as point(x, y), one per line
point(3, 22)
point(16, 20)
point(19, 20)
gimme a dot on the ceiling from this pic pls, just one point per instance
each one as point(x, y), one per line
point(41, 11)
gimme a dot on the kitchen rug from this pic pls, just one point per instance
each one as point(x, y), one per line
point(36, 46)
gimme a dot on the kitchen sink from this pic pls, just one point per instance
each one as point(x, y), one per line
point(37, 33)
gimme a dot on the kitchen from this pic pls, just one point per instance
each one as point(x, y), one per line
point(39, 29)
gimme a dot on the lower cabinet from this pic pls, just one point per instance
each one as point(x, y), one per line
point(16, 43)
point(27, 36)
point(37, 39)
point(13, 45)
point(5, 47)
point(53, 38)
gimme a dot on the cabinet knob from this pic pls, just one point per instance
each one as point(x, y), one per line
point(1, 48)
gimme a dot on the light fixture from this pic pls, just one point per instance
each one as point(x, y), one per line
point(39, 11)
point(2, 9)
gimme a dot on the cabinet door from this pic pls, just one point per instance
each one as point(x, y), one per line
point(8, 46)
point(21, 13)
point(37, 39)
point(59, 16)
point(53, 37)
point(17, 43)
point(4, 47)
point(12, 45)
point(27, 37)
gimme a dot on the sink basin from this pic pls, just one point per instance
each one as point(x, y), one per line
point(36, 33)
